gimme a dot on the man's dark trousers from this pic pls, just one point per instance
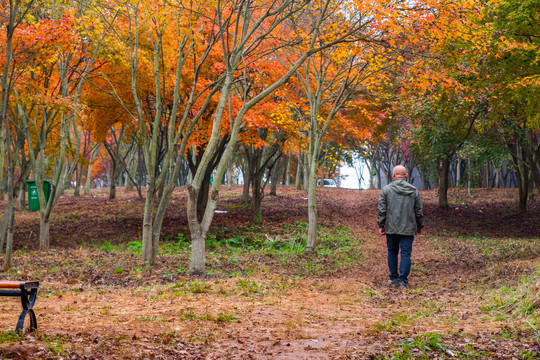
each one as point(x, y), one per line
point(395, 243)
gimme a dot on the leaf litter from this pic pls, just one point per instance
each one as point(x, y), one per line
point(96, 300)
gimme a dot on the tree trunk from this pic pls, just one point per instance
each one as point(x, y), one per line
point(149, 252)
point(2, 188)
point(276, 174)
point(247, 182)
point(22, 198)
point(312, 208)
point(458, 173)
point(78, 179)
point(443, 167)
point(115, 173)
point(523, 188)
point(132, 170)
point(298, 179)
point(203, 196)
point(198, 237)
point(89, 173)
point(230, 174)
point(257, 194)
point(488, 177)
point(9, 240)
point(44, 226)
point(3, 228)
point(306, 174)
point(288, 171)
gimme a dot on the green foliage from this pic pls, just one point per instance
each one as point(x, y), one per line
point(198, 287)
point(189, 314)
point(248, 286)
point(56, 348)
point(135, 246)
point(11, 336)
point(515, 60)
point(521, 301)
point(426, 344)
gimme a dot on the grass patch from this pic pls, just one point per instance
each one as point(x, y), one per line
point(11, 336)
point(426, 345)
point(521, 301)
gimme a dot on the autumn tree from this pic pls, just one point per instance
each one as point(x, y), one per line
point(13, 16)
point(508, 66)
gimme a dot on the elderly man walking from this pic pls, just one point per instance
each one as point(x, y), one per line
point(400, 218)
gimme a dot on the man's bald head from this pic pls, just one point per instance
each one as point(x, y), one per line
point(399, 172)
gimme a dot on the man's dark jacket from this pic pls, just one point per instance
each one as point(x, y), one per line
point(400, 209)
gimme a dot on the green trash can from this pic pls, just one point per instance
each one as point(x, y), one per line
point(33, 197)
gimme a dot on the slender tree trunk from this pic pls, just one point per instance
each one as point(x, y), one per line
point(44, 226)
point(89, 173)
point(2, 187)
point(443, 167)
point(148, 242)
point(257, 194)
point(247, 181)
point(78, 179)
point(458, 173)
point(10, 211)
point(312, 207)
point(306, 174)
point(298, 179)
point(230, 174)
point(288, 171)
point(469, 176)
point(523, 188)
point(114, 178)
point(488, 177)
point(3, 228)
point(276, 174)
point(198, 239)
point(132, 170)
point(22, 198)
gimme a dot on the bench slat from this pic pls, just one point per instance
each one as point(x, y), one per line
point(18, 284)
point(11, 284)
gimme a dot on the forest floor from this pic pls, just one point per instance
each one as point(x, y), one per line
point(474, 286)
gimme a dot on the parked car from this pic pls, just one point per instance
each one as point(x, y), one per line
point(327, 183)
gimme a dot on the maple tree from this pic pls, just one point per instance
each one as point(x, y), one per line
point(274, 14)
point(13, 16)
point(330, 82)
point(162, 42)
point(48, 104)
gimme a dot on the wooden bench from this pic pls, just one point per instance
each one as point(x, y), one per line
point(27, 291)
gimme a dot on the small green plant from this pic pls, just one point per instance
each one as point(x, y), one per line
point(189, 314)
point(119, 270)
point(248, 286)
point(522, 301)
point(106, 246)
point(426, 344)
point(55, 349)
point(226, 317)
point(11, 336)
point(150, 318)
point(135, 246)
point(198, 287)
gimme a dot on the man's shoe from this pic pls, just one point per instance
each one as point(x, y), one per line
point(393, 283)
point(403, 285)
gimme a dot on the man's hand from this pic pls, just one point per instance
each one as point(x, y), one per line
point(419, 232)
point(381, 231)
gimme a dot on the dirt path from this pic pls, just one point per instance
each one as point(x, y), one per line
point(270, 315)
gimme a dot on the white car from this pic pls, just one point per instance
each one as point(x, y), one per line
point(327, 183)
